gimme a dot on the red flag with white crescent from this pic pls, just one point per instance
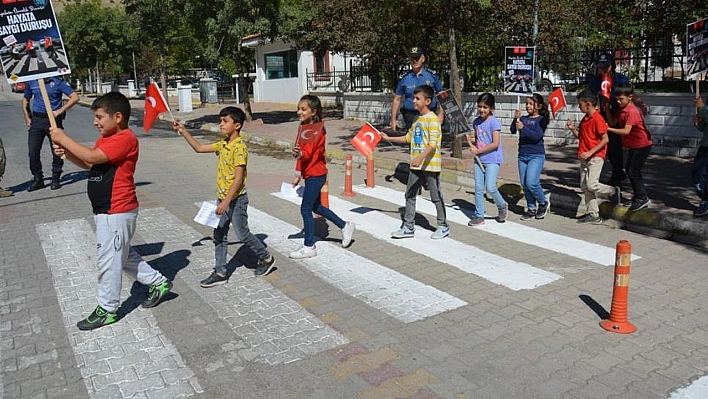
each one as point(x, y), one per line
point(366, 139)
point(557, 101)
point(155, 104)
point(309, 133)
point(606, 85)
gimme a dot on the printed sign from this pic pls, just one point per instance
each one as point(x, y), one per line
point(519, 68)
point(33, 47)
point(697, 47)
point(453, 113)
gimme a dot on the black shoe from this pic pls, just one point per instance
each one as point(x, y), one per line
point(639, 204)
point(585, 219)
point(265, 266)
point(702, 210)
point(616, 198)
point(529, 214)
point(543, 210)
point(156, 293)
point(213, 279)
point(98, 318)
point(37, 184)
point(56, 182)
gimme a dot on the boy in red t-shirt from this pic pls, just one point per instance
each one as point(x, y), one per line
point(592, 147)
point(111, 189)
point(636, 139)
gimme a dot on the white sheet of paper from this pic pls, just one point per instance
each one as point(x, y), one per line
point(287, 190)
point(207, 215)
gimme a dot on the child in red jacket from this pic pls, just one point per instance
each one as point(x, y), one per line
point(312, 167)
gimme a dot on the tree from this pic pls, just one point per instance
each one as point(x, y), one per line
point(97, 37)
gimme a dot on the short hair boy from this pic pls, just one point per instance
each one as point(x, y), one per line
point(111, 190)
point(232, 199)
point(424, 137)
point(635, 138)
point(592, 147)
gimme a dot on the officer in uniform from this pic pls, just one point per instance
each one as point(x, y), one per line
point(418, 75)
point(38, 123)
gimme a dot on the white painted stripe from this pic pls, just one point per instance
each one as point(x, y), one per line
point(113, 358)
point(514, 231)
point(498, 270)
point(268, 326)
point(381, 288)
point(698, 389)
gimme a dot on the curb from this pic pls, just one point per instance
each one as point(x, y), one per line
point(692, 231)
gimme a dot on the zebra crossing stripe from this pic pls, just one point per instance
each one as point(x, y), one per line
point(381, 288)
point(128, 358)
point(496, 269)
point(514, 231)
point(696, 390)
point(268, 326)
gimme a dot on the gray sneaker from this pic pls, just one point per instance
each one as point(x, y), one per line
point(403, 232)
point(441, 232)
point(503, 212)
point(587, 219)
point(702, 210)
point(476, 221)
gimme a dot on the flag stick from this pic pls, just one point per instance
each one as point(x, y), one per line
point(48, 106)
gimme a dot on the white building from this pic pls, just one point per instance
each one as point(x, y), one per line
point(282, 72)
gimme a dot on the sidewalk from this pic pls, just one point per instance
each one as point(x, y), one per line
point(668, 178)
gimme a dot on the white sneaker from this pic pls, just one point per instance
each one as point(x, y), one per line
point(347, 233)
point(304, 252)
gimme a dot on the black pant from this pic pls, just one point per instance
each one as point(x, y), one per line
point(409, 117)
point(614, 155)
point(38, 131)
point(636, 158)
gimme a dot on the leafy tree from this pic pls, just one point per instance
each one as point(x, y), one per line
point(97, 37)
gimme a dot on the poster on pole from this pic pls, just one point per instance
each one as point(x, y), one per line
point(453, 113)
point(32, 47)
point(697, 47)
point(519, 69)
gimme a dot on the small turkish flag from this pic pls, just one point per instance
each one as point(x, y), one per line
point(557, 101)
point(606, 85)
point(155, 104)
point(366, 139)
point(309, 133)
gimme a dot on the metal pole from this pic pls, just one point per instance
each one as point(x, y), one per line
point(135, 75)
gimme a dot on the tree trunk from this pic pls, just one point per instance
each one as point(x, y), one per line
point(454, 70)
point(246, 81)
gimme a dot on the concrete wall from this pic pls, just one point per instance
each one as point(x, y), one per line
point(669, 118)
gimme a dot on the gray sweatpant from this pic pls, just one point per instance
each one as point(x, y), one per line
point(115, 255)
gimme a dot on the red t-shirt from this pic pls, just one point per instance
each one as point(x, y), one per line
point(111, 187)
point(313, 161)
point(591, 130)
point(639, 136)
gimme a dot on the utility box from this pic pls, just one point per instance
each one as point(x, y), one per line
point(207, 91)
point(184, 98)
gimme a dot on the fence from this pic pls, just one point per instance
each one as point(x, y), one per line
point(569, 70)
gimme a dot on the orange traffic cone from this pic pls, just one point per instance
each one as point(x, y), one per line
point(370, 170)
point(617, 322)
point(348, 190)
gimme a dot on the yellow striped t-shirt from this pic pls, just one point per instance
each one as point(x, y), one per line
point(425, 132)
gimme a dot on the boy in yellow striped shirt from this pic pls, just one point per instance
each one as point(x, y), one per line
point(424, 138)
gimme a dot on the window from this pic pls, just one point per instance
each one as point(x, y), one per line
point(281, 65)
point(321, 64)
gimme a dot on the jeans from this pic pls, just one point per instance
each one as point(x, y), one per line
point(311, 203)
point(38, 131)
point(115, 256)
point(636, 158)
point(699, 172)
point(530, 166)
point(237, 215)
point(615, 155)
point(591, 186)
point(415, 180)
point(486, 180)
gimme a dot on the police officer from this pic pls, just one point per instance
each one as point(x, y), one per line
point(38, 123)
point(418, 75)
